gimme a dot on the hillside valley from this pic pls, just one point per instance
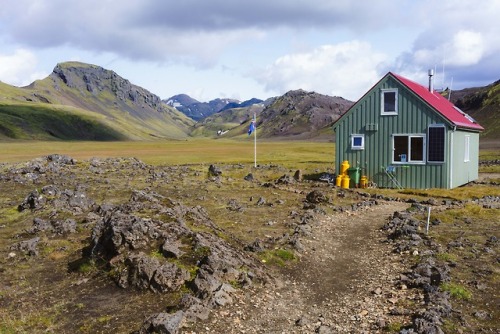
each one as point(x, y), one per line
point(79, 101)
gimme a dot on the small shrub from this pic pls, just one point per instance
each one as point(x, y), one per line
point(156, 254)
point(284, 254)
point(104, 318)
point(457, 291)
point(394, 327)
point(277, 257)
point(87, 267)
point(447, 257)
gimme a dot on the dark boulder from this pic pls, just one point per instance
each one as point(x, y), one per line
point(32, 201)
point(214, 170)
point(147, 273)
point(285, 179)
point(163, 323)
point(316, 197)
point(30, 247)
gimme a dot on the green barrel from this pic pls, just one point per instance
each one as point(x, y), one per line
point(354, 174)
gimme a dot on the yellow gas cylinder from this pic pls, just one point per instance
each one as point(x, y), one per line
point(338, 181)
point(344, 167)
point(345, 182)
point(363, 182)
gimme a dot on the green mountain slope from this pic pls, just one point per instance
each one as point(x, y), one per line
point(41, 122)
point(84, 92)
point(483, 104)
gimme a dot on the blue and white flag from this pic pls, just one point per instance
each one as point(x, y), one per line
point(251, 128)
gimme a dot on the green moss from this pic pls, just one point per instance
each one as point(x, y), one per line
point(447, 257)
point(457, 291)
point(277, 257)
point(394, 327)
point(156, 253)
point(87, 267)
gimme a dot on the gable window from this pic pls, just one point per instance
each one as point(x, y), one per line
point(357, 142)
point(389, 102)
point(408, 148)
point(467, 149)
point(436, 142)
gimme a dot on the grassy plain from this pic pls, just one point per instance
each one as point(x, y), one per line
point(196, 151)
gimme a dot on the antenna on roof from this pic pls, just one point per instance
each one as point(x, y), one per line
point(431, 87)
point(444, 61)
point(449, 93)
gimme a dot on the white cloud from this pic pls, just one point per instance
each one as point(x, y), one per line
point(171, 30)
point(346, 69)
point(19, 68)
point(458, 37)
point(467, 48)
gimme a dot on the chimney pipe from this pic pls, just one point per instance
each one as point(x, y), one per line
point(431, 86)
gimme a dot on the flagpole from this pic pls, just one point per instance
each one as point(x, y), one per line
point(255, 140)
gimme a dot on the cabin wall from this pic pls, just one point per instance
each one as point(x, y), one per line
point(464, 157)
point(413, 118)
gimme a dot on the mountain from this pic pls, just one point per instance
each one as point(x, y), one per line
point(243, 104)
point(87, 94)
point(483, 104)
point(295, 115)
point(199, 110)
point(301, 115)
point(181, 101)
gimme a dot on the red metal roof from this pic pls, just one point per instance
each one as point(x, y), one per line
point(441, 105)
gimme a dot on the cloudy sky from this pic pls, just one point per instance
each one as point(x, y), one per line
point(259, 48)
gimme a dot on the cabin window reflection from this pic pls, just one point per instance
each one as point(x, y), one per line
point(408, 149)
point(389, 102)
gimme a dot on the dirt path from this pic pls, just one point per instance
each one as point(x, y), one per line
point(343, 283)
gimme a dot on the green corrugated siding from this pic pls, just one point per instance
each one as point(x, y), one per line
point(413, 117)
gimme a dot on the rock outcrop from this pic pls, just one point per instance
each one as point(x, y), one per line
point(167, 255)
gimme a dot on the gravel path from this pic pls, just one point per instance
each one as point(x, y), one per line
point(344, 282)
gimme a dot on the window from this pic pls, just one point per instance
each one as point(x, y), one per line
point(357, 142)
point(435, 143)
point(466, 149)
point(389, 102)
point(408, 148)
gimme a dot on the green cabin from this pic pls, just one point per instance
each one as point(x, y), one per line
point(401, 134)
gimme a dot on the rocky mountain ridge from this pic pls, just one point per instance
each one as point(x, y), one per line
point(301, 114)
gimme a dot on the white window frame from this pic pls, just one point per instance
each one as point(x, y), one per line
point(467, 149)
point(382, 101)
point(409, 161)
point(357, 147)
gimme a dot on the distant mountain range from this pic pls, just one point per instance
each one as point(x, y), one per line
point(295, 115)
point(199, 110)
point(79, 101)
